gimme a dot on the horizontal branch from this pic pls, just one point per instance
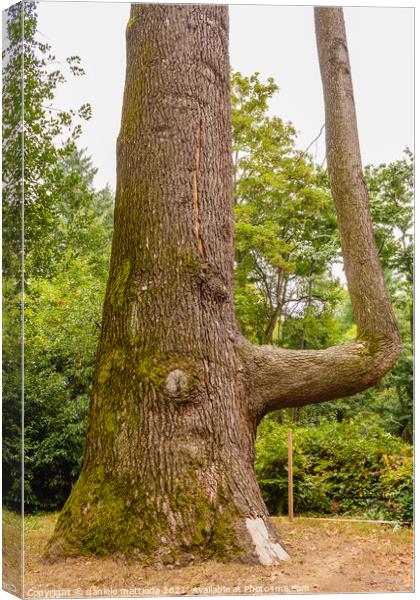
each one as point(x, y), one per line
point(282, 378)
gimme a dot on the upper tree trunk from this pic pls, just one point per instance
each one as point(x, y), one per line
point(168, 465)
point(371, 305)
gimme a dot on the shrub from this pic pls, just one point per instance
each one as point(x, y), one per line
point(352, 467)
point(61, 333)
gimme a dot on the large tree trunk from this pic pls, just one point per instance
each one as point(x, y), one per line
point(168, 467)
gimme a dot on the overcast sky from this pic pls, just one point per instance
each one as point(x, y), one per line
point(277, 41)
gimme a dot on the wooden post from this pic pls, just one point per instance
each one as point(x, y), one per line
point(290, 472)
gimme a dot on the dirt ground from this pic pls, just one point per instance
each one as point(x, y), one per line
point(325, 557)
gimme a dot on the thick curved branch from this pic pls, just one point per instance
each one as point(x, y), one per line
point(281, 378)
point(284, 378)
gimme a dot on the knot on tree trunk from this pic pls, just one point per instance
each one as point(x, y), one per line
point(212, 284)
point(178, 385)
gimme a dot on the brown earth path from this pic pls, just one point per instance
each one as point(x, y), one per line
point(325, 557)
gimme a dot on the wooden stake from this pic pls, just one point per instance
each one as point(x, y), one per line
point(290, 472)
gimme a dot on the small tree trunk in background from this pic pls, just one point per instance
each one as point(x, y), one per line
point(269, 332)
point(293, 414)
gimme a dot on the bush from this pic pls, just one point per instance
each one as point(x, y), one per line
point(353, 468)
point(61, 331)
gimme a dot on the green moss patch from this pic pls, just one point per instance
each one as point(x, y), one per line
point(103, 517)
point(117, 292)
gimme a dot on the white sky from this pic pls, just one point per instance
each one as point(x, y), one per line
point(277, 41)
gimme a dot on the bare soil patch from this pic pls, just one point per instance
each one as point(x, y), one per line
point(325, 557)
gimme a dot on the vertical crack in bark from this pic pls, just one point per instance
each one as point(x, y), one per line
point(196, 189)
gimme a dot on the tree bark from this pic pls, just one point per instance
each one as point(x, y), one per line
point(168, 474)
point(168, 471)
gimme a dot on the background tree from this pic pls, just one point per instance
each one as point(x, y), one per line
point(48, 134)
point(285, 229)
point(44, 136)
point(168, 467)
point(62, 325)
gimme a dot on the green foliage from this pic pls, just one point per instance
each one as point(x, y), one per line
point(318, 324)
point(34, 132)
point(62, 323)
point(11, 394)
point(67, 240)
point(285, 229)
point(391, 189)
point(63, 318)
point(354, 468)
